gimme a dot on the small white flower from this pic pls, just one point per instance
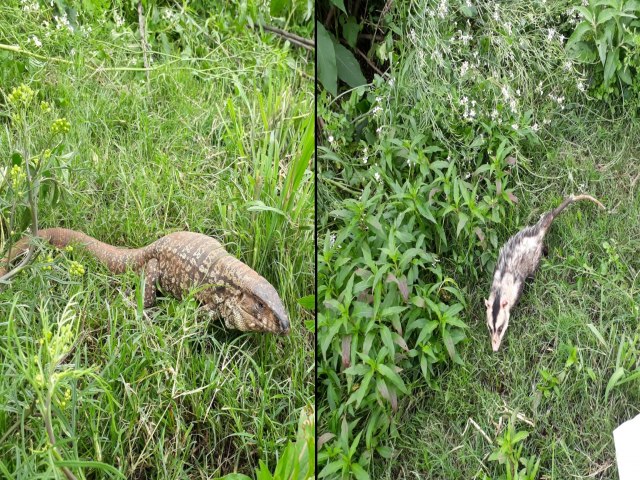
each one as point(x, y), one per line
point(331, 139)
point(378, 99)
point(466, 38)
point(118, 19)
point(494, 114)
point(332, 239)
point(567, 65)
point(376, 109)
point(443, 9)
point(464, 69)
point(535, 127)
point(551, 32)
point(377, 176)
point(379, 130)
point(35, 40)
point(581, 86)
point(514, 126)
point(365, 159)
point(391, 82)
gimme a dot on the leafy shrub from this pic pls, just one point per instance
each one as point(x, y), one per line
point(32, 171)
point(609, 38)
point(416, 175)
point(509, 454)
point(339, 39)
point(297, 460)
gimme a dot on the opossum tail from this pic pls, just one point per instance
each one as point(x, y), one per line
point(550, 217)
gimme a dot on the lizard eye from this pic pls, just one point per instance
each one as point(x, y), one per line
point(260, 305)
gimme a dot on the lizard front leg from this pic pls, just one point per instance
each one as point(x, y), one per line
point(151, 277)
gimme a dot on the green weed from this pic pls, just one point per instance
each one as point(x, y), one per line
point(215, 137)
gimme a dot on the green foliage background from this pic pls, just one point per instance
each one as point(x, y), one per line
point(218, 138)
point(476, 118)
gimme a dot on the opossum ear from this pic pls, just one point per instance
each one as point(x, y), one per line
point(486, 302)
point(503, 303)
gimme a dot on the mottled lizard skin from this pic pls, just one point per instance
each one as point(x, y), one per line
point(182, 262)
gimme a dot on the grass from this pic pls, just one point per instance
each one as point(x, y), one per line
point(578, 285)
point(220, 145)
point(577, 323)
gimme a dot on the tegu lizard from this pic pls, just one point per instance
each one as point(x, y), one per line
point(180, 262)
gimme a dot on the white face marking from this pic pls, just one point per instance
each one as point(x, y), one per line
point(498, 315)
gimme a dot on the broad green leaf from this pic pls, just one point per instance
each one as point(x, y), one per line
point(394, 377)
point(326, 55)
point(350, 31)
point(359, 472)
point(578, 33)
point(602, 49)
point(235, 476)
point(519, 437)
point(363, 389)
point(348, 67)
point(340, 5)
point(331, 468)
point(610, 65)
point(586, 13)
point(308, 302)
point(450, 346)
point(625, 76)
point(277, 7)
point(359, 369)
point(583, 52)
point(462, 221)
point(606, 14)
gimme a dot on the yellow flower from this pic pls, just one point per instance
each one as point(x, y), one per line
point(61, 125)
point(45, 107)
point(21, 95)
point(76, 268)
point(17, 176)
point(68, 248)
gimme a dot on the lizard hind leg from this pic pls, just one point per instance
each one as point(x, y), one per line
point(151, 277)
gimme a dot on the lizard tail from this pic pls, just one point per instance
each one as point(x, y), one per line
point(115, 259)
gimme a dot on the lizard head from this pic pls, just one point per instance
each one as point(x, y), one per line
point(257, 308)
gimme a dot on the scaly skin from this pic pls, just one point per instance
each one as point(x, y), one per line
point(181, 262)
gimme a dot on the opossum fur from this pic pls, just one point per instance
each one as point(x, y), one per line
point(518, 260)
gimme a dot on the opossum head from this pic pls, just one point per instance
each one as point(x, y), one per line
point(497, 318)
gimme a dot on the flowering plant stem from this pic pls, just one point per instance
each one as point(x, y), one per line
point(17, 49)
point(52, 439)
point(32, 196)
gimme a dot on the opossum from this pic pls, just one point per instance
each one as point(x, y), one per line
point(518, 260)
